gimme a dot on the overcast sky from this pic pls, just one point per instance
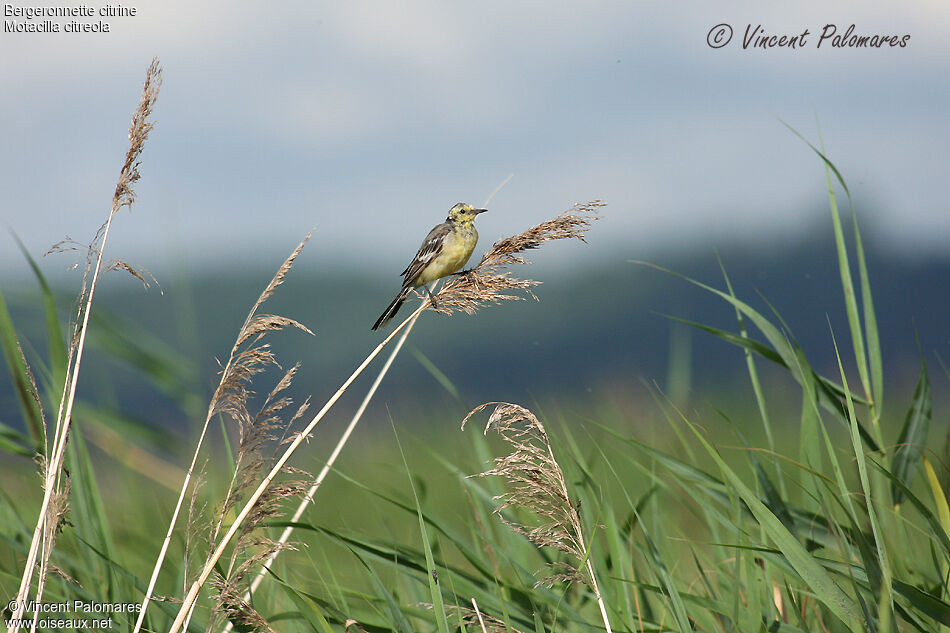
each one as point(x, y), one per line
point(370, 119)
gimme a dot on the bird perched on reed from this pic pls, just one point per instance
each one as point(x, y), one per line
point(444, 251)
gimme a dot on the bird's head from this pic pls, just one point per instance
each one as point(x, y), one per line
point(464, 213)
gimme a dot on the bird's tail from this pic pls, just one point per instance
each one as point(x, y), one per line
point(391, 311)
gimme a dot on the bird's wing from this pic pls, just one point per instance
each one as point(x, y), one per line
point(430, 249)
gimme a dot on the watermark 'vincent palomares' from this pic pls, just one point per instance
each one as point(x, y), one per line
point(829, 36)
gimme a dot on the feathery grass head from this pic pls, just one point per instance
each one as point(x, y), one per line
point(487, 283)
point(232, 394)
point(269, 426)
point(138, 133)
point(123, 196)
point(537, 486)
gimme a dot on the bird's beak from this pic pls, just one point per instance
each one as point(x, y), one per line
point(477, 211)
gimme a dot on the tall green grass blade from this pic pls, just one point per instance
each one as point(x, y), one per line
point(875, 359)
point(943, 513)
point(913, 436)
point(15, 443)
point(866, 343)
point(619, 535)
point(940, 497)
point(680, 366)
point(23, 383)
point(166, 369)
point(747, 344)
point(847, 284)
point(54, 333)
point(773, 498)
point(398, 621)
point(885, 607)
point(89, 513)
point(538, 622)
point(435, 592)
point(824, 588)
point(437, 373)
point(621, 566)
point(937, 533)
point(809, 437)
point(756, 386)
point(669, 587)
point(308, 608)
point(937, 609)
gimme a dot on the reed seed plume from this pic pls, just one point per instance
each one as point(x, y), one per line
point(233, 392)
point(536, 484)
point(141, 125)
point(537, 487)
point(487, 283)
point(249, 357)
point(53, 506)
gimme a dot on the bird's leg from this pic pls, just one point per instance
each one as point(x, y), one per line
point(431, 297)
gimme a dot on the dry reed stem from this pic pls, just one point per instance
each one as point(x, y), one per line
point(230, 397)
point(537, 485)
point(124, 196)
point(308, 497)
point(189, 601)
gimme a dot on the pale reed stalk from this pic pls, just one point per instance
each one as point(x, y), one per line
point(43, 533)
point(206, 572)
point(253, 324)
point(308, 498)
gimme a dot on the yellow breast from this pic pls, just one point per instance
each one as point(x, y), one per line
point(456, 250)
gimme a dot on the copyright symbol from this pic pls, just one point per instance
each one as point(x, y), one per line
point(12, 605)
point(719, 35)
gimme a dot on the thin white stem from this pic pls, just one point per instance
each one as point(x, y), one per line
point(600, 599)
point(187, 483)
point(54, 466)
point(192, 595)
point(479, 614)
point(171, 528)
point(582, 546)
point(308, 499)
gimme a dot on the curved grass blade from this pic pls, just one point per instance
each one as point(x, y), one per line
point(54, 333)
point(867, 347)
point(23, 381)
point(398, 621)
point(14, 442)
point(435, 592)
point(825, 589)
point(791, 355)
point(937, 532)
point(913, 436)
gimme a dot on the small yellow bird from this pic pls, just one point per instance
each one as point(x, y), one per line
point(444, 251)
